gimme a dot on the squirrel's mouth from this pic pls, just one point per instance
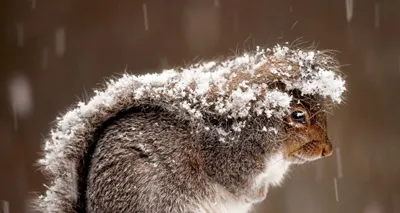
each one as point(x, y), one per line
point(297, 158)
point(303, 154)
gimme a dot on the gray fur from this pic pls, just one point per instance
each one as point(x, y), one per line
point(134, 147)
point(153, 162)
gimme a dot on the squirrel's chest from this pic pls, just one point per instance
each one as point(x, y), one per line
point(273, 174)
point(225, 206)
point(235, 207)
point(275, 171)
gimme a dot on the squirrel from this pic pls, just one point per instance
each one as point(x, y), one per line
point(209, 137)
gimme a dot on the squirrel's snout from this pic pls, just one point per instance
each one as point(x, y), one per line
point(327, 150)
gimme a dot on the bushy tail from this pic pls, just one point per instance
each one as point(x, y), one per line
point(63, 162)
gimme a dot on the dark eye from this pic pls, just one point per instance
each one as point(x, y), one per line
point(299, 116)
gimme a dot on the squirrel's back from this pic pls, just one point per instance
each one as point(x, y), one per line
point(146, 162)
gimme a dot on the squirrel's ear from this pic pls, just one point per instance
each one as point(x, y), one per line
point(277, 85)
point(296, 93)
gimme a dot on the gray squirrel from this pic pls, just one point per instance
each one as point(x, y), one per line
point(209, 137)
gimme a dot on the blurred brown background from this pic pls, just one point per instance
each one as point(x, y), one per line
point(51, 52)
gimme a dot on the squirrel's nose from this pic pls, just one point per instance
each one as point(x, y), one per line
point(327, 150)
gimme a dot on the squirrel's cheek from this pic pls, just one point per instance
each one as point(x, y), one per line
point(291, 147)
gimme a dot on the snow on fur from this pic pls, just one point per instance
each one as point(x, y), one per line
point(236, 88)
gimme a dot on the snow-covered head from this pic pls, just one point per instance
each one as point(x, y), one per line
point(259, 82)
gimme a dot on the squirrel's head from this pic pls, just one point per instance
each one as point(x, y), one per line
point(307, 137)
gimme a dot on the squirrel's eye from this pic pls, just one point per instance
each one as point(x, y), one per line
point(299, 117)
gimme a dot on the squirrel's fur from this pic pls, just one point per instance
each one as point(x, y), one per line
point(207, 138)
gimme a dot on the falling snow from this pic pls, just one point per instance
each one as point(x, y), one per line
point(377, 15)
point(339, 162)
point(60, 41)
point(294, 24)
point(216, 3)
point(374, 207)
point(20, 97)
point(146, 20)
point(349, 10)
point(336, 190)
point(5, 206)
